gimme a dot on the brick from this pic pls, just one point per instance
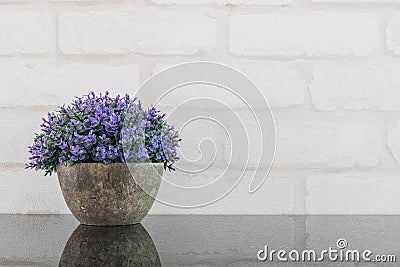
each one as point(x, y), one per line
point(22, 130)
point(254, 138)
point(393, 34)
point(202, 142)
point(311, 34)
point(356, 1)
point(51, 1)
point(200, 96)
point(30, 192)
point(146, 31)
point(18, 124)
point(35, 84)
point(394, 142)
point(277, 191)
point(331, 146)
point(352, 194)
point(225, 2)
point(356, 86)
point(25, 32)
point(281, 83)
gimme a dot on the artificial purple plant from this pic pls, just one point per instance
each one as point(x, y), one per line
point(103, 129)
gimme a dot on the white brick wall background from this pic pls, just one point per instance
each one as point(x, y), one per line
point(330, 69)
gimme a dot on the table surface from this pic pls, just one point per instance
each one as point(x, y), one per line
point(59, 240)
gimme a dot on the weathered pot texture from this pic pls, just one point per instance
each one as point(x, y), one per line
point(109, 194)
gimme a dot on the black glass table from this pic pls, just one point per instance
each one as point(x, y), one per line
point(59, 240)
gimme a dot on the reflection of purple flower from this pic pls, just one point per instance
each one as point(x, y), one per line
point(103, 129)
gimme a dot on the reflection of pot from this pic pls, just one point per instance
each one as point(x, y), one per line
point(107, 194)
point(112, 246)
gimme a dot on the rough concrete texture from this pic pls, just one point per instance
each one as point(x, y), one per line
point(107, 194)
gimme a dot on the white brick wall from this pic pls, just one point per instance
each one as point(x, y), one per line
point(329, 68)
point(313, 34)
point(23, 129)
point(276, 197)
point(225, 2)
point(38, 83)
point(352, 194)
point(24, 191)
point(357, 86)
point(393, 34)
point(144, 31)
point(327, 145)
point(25, 32)
point(356, 1)
point(394, 142)
point(281, 83)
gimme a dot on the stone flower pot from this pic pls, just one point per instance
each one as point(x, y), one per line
point(107, 194)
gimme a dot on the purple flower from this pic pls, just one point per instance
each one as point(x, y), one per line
point(103, 129)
